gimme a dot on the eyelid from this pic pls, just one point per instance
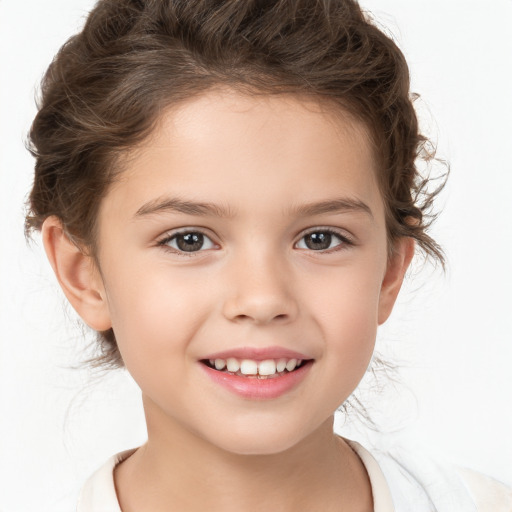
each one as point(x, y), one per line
point(335, 231)
point(346, 240)
point(169, 235)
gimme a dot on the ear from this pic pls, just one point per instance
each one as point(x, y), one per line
point(77, 274)
point(397, 266)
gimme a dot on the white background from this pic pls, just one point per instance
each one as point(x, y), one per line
point(450, 334)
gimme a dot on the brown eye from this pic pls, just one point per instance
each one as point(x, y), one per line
point(322, 240)
point(318, 241)
point(189, 241)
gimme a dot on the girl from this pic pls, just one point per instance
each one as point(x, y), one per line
point(228, 194)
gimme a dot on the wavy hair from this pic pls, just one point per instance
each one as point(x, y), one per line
point(106, 87)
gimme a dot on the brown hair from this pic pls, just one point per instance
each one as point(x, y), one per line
point(103, 93)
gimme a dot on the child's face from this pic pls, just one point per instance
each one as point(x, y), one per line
point(252, 278)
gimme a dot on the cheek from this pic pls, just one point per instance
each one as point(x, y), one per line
point(346, 310)
point(154, 312)
point(351, 328)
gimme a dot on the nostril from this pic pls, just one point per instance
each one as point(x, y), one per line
point(260, 309)
point(261, 319)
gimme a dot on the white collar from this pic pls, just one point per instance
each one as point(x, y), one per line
point(99, 493)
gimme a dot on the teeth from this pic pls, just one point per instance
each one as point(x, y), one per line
point(233, 365)
point(264, 368)
point(291, 364)
point(267, 367)
point(220, 364)
point(281, 365)
point(248, 367)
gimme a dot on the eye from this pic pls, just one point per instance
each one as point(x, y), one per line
point(323, 240)
point(187, 242)
point(196, 241)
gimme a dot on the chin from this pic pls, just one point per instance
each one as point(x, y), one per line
point(258, 438)
point(251, 446)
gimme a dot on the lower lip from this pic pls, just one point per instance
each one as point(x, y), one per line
point(254, 388)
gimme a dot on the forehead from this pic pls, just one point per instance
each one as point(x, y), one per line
point(236, 147)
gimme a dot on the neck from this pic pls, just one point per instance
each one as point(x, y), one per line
point(175, 466)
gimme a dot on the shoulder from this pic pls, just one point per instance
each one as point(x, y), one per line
point(489, 494)
point(420, 483)
point(99, 493)
point(446, 487)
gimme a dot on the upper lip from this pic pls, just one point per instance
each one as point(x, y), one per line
point(258, 353)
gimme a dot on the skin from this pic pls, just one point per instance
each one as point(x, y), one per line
point(254, 283)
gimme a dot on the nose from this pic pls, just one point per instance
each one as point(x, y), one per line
point(260, 291)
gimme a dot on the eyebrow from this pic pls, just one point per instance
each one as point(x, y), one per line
point(177, 205)
point(338, 205)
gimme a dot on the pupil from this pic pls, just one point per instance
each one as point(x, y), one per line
point(190, 242)
point(318, 240)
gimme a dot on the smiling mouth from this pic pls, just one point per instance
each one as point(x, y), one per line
point(250, 368)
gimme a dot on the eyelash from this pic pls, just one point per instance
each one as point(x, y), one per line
point(345, 241)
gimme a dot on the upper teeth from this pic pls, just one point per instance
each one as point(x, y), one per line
point(252, 367)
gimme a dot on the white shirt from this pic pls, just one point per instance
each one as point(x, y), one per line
point(404, 485)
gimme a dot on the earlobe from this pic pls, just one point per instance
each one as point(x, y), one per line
point(393, 279)
point(77, 275)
